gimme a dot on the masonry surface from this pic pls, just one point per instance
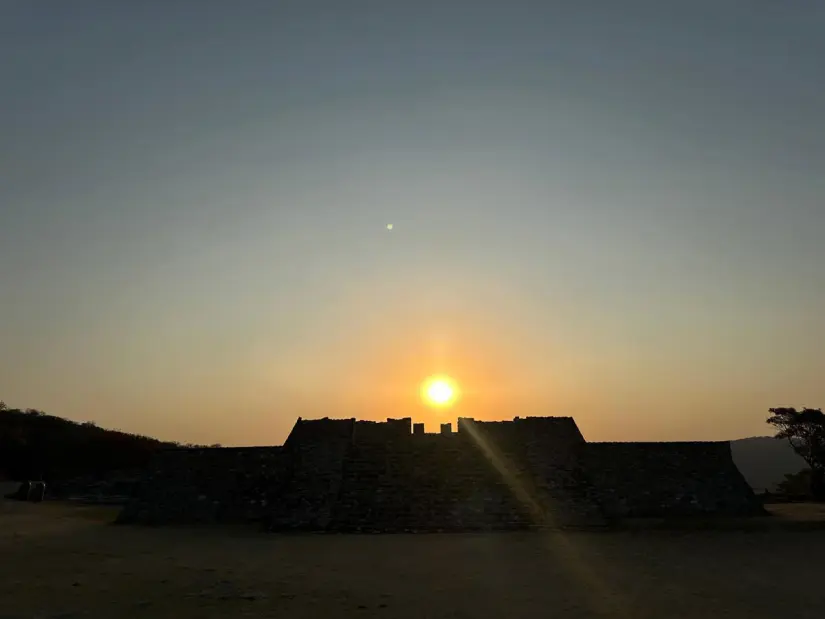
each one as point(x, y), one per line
point(363, 476)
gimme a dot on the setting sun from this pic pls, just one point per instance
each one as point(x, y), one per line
point(439, 391)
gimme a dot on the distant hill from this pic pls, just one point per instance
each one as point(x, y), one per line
point(33, 443)
point(764, 461)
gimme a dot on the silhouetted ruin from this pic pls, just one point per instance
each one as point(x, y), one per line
point(348, 475)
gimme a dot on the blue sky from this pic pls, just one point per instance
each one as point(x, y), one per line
point(608, 211)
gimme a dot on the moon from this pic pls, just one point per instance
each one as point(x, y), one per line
point(389, 226)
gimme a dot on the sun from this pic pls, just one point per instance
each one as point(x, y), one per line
point(439, 391)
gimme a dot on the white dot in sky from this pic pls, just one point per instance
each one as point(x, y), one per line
point(389, 226)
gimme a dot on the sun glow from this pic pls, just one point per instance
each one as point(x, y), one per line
point(439, 391)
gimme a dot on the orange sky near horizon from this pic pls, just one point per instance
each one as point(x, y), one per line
point(372, 369)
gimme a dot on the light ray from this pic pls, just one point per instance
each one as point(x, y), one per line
point(557, 541)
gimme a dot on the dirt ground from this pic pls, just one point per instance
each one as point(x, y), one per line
point(69, 562)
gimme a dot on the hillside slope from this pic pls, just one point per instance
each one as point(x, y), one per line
point(34, 444)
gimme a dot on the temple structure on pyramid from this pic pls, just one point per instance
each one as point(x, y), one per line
point(348, 475)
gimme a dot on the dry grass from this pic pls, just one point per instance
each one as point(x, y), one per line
point(59, 560)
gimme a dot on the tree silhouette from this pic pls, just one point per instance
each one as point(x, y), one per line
point(805, 431)
point(795, 484)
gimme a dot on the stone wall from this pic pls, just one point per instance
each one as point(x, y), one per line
point(183, 486)
point(539, 458)
point(669, 479)
point(435, 482)
point(314, 453)
point(487, 476)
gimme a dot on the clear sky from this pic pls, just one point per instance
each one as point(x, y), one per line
point(611, 210)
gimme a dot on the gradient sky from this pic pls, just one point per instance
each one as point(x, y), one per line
point(611, 210)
